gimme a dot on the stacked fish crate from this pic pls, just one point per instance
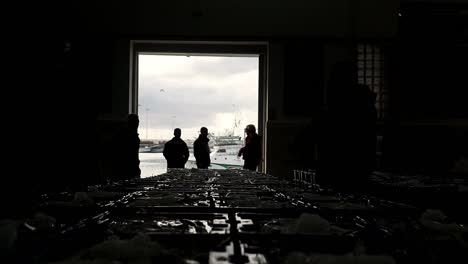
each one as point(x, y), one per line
point(237, 216)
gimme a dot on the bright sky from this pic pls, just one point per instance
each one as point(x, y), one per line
point(194, 91)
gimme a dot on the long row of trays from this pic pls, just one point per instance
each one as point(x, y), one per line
point(235, 216)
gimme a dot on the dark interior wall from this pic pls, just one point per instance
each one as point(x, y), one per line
point(59, 79)
point(261, 18)
point(120, 77)
point(428, 130)
point(61, 97)
point(303, 77)
point(431, 54)
point(432, 81)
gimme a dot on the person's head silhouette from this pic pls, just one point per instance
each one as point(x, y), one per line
point(250, 129)
point(204, 131)
point(342, 86)
point(177, 133)
point(343, 73)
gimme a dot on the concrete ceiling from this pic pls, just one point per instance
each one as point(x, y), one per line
point(334, 18)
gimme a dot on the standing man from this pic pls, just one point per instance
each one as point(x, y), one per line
point(126, 144)
point(252, 151)
point(349, 132)
point(201, 149)
point(176, 151)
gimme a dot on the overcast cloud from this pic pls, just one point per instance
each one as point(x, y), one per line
point(195, 91)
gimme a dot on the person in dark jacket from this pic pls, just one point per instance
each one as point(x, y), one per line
point(252, 151)
point(126, 156)
point(176, 151)
point(347, 145)
point(201, 149)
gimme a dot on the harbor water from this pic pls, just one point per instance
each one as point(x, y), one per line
point(152, 164)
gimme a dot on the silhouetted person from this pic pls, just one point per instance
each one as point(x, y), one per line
point(346, 150)
point(201, 149)
point(176, 151)
point(126, 145)
point(252, 151)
